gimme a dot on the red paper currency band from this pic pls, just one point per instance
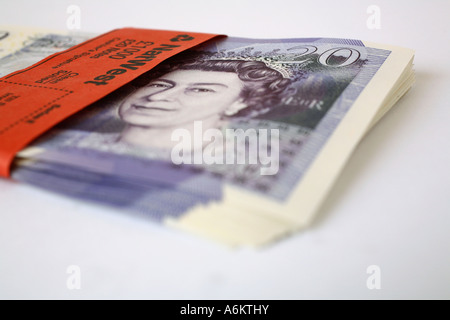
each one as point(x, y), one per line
point(50, 91)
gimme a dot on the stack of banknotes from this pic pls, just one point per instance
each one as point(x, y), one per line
point(237, 140)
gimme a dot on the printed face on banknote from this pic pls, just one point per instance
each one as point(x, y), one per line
point(182, 97)
point(210, 91)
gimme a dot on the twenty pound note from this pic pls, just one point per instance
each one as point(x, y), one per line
point(238, 140)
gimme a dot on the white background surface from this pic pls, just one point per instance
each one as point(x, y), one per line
point(390, 207)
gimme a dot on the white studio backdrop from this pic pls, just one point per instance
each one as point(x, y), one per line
point(388, 215)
